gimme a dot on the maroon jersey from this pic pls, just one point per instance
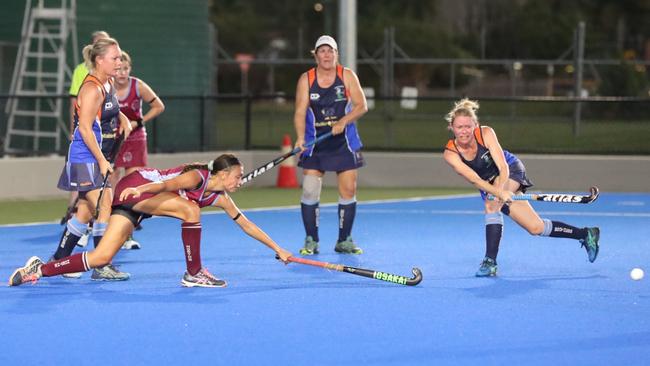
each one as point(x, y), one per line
point(131, 106)
point(149, 175)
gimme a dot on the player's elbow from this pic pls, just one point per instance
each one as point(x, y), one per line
point(364, 107)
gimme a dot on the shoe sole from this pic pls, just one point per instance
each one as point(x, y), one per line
point(11, 278)
point(192, 284)
point(357, 252)
point(597, 236)
point(110, 279)
point(486, 275)
point(113, 279)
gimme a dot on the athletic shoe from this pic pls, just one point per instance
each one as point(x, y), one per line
point(347, 247)
point(83, 241)
point(74, 275)
point(28, 273)
point(310, 248)
point(488, 268)
point(131, 243)
point(109, 273)
point(202, 278)
point(591, 243)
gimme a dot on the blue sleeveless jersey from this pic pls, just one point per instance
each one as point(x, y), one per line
point(104, 127)
point(326, 107)
point(483, 163)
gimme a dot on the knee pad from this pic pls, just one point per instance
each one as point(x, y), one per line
point(99, 228)
point(494, 218)
point(311, 188)
point(76, 227)
point(548, 227)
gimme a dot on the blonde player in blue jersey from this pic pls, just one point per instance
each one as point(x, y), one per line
point(96, 118)
point(329, 98)
point(476, 155)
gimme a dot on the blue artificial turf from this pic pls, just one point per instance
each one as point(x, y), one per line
point(548, 305)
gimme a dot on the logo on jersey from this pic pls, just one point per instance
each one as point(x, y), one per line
point(108, 105)
point(328, 112)
point(340, 93)
point(314, 96)
point(487, 158)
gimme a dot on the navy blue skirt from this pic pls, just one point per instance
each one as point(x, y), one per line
point(518, 174)
point(332, 162)
point(82, 177)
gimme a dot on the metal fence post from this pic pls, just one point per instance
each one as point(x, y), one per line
point(204, 134)
point(248, 118)
point(579, 60)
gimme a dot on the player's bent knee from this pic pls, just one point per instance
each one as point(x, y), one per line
point(536, 228)
point(492, 208)
point(191, 213)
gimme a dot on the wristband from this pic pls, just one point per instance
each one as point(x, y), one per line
point(140, 123)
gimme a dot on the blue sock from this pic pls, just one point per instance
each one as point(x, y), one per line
point(347, 212)
point(99, 228)
point(493, 233)
point(558, 229)
point(492, 239)
point(310, 219)
point(74, 229)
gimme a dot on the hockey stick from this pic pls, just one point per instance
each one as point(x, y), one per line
point(115, 149)
point(377, 275)
point(557, 197)
point(268, 166)
point(69, 211)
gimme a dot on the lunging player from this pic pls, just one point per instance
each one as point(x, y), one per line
point(179, 192)
point(475, 154)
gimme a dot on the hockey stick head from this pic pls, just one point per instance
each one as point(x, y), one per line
point(417, 277)
point(594, 193)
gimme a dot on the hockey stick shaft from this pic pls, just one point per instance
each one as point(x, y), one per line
point(112, 156)
point(377, 275)
point(271, 164)
point(557, 197)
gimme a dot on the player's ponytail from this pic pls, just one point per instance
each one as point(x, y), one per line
point(99, 48)
point(223, 162)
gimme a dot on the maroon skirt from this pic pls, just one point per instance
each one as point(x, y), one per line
point(132, 180)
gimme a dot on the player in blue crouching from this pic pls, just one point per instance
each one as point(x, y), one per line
point(475, 154)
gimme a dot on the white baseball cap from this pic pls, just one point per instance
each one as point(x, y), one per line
point(326, 40)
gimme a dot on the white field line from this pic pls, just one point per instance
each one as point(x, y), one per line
point(393, 211)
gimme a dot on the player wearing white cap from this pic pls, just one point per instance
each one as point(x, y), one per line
point(329, 98)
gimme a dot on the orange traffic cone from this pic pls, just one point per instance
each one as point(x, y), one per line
point(287, 174)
